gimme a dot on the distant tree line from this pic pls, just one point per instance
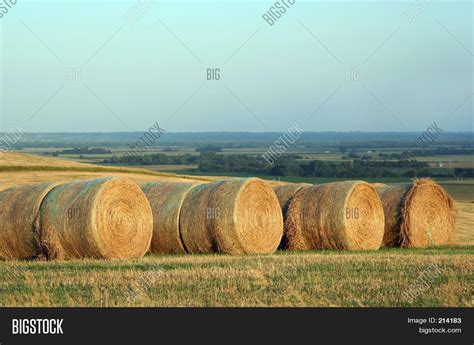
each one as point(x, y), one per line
point(442, 151)
point(355, 169)
point(79, 151)
point(211, 162)
point(209, 148)
point(153, 159)
point(464, 172)
point(293, 165)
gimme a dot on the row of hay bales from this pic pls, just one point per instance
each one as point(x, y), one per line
point(116, 218)
point(101, 218)
point(357, 215)
point(235, 216)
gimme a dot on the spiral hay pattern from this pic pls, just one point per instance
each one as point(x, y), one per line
point(231, 216)
point(417, 215)
point(340, 215)
point(101, 218)
point(166, 200)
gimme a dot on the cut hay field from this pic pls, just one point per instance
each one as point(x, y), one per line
point(322, 278)
point(465, 223)
point(19, 169)
point(463, 192)
point(311, 278)
point(20, 159)
point(20, 177)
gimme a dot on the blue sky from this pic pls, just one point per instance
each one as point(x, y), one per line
point(329, 66)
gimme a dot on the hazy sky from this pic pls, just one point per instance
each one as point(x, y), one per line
point(356, 66)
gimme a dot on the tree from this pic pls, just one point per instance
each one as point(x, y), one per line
point(353, 154)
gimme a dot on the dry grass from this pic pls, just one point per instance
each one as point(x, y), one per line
point(19, 169)
point(465, 223)
point(315, 278)
point(12, 179)
point(20, 159)
point(459, 191)
point(325, 278)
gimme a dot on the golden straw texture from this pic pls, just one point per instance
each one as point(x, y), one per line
point(19, 208)
point(339, 215)
point(101, 218)
point(231, 216)
point(285, 193)
point(417, 215)
point(166, 199)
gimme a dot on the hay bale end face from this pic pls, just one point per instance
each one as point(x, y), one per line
point(166, 199)
point(417, 215)
point(339, 215)
point(19, 209)
point(233, 216)
point(101, 218)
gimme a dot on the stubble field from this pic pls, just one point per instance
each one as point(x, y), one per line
point(388, 277)
point(395, 277)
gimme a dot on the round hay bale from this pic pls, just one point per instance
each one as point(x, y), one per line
point(284, 193)
point(101, 218)
point(339, 215)
point(166, 200)
point(231, 216)
point(19, 209)
point(417, 215)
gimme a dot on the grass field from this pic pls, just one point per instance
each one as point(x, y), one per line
point(322, 278)
point(465, 223)
point(18, 169)
point(315, 278)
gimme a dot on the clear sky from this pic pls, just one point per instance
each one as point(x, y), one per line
point(329, 66)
